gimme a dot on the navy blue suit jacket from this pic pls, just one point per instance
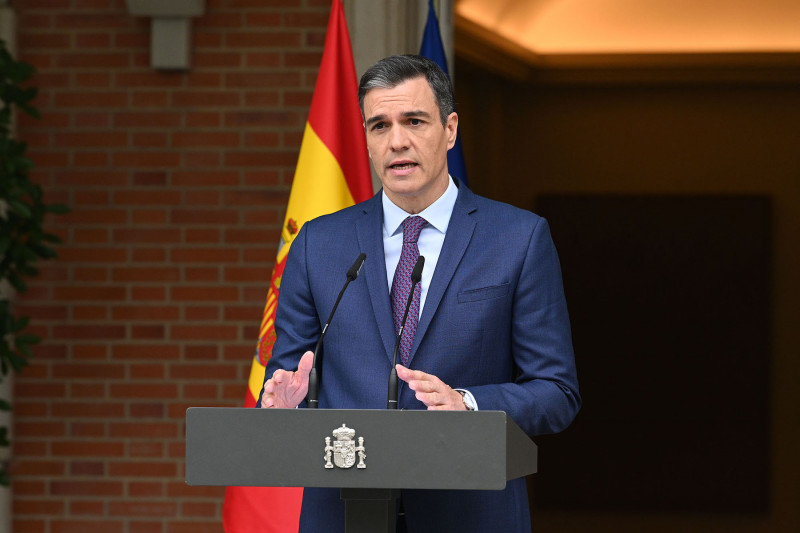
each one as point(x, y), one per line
point(495, 322)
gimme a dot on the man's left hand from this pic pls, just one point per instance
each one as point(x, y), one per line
point(431, 391)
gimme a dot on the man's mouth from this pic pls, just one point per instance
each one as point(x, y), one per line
point(402, 166)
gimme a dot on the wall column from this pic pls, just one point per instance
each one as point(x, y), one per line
point(379, 29)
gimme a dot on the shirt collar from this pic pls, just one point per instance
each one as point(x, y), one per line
point(437, 214)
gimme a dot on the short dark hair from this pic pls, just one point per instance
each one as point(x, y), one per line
point(391, 71)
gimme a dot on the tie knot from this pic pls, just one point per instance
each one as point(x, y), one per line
point(412, 226)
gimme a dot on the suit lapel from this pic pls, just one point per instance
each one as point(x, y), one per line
point(370, 239)
point(459, 234)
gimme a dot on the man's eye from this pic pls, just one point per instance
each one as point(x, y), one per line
point(378, 126)
point(415, 121)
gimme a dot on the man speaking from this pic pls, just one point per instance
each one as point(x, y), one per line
point(487, 326)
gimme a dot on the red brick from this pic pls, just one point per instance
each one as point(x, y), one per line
point(202, 313)
point(90, 236)
point(38, 507)
point(205, 332)
point(31, 390)
point(147, 371)
point(89, 312)
point(145, 313)
point(91, 139)
point(260, 40)
point(46, 468)
point(246, 158)
point(146, 449)
point(144, 430)
point(203, 120)
point(256, 98)
point(142, 469)
point(199, 509)
point(87, 449)
point(28, 526)
point(148, 255)
point(149, 140)
point(87, 508)
point(148, 410)
point(99, 332)
point(41, 429)
point(148, 294)
point(202, 160)
point(205, 294)
point(86, 352)
point(91, 198)
point(147, 197)
point(149, 274)
point(87, 468)
point(143, 508)
point(200, 371)
point(144, 390)
point(205, 255)
point(203, 198)
point(88, 410)
point(203, 391)
point(205, 80)
point(150, 98)
point(148, 332)
point(138, 489)
point(243, 80)
point(88, 429)
point(78, 526)
point(91, 120)
point(146, 236)
point(141, 159)
point(149, 217)
point(204, 98)
point(203, 236)
point(91, 100)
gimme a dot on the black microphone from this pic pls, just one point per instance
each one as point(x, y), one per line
point(416, 275)
point(313, 381)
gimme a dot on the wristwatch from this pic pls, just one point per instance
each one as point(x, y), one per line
point(469, 403)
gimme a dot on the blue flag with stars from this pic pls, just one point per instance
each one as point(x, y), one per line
point(433, 49)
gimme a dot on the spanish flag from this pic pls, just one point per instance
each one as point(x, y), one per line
point(332, 173)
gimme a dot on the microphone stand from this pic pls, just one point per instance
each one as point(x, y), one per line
point(313, 379)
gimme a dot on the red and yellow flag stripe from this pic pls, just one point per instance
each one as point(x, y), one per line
point(332, 173)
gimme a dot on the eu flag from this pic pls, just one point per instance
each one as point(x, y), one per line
point(433, 49)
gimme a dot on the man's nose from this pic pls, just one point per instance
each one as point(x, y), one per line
point(398, 139)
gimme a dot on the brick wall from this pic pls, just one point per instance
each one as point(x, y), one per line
point(177, 184)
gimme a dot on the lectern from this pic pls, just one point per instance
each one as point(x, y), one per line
point(369, 454)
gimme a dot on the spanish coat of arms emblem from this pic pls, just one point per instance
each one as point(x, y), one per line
point(344, 449)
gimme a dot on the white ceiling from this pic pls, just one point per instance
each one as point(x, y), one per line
point(552, 27)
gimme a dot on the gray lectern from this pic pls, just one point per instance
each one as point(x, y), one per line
point(369, 454)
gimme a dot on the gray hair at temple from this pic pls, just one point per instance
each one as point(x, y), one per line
point(391, 71)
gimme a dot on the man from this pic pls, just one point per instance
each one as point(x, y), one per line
point(491, 326)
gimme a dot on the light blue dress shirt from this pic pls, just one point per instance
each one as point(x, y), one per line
point(431, 240)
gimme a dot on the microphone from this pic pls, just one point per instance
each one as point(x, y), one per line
point(416, 275)
point(313, 380)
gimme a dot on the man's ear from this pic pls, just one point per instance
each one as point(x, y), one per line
point(452, 129)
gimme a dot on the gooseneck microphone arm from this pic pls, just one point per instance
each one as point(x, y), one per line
point(313, 379)
point(416, 275)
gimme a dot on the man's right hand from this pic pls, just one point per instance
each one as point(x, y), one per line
point(287, 389)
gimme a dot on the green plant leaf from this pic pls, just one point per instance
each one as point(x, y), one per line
point(20, 208)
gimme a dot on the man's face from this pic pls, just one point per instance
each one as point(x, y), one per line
point(408, 144)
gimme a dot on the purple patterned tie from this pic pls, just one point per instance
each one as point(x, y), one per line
point(401, 285)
